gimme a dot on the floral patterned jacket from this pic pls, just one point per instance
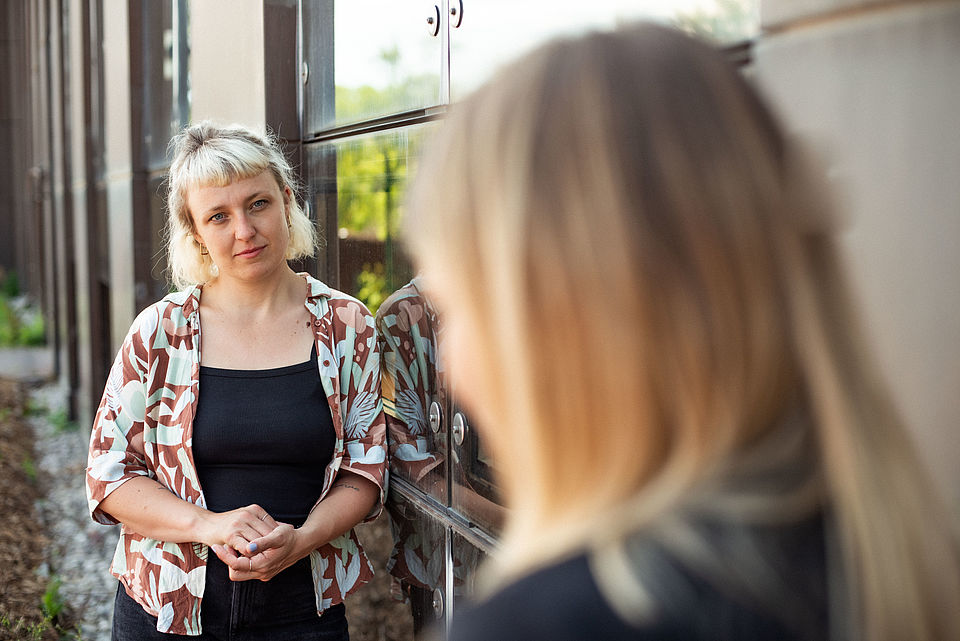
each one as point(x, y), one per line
point(152, 389)
point(410, 335)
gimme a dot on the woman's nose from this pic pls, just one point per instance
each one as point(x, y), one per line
point(245, 230)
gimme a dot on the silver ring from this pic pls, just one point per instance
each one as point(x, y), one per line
point(250, 561)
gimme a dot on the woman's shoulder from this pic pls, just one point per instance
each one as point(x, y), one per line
point(565, 601)
point(172, 313)
point(559, 602)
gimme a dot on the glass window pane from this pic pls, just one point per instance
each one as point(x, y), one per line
point(414, 392)
point(385, 61)
point(357, 187)
point(417, 564)
point(493, 32)
point(467, 559)
point(372, 174)
point(474, 492)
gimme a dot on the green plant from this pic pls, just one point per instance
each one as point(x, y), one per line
point(20, 323)
point(52, 601)
point(11, 285)
point(61, 422)
point(372, 283)
point(33, 631)
point(9, 323)
point(30, 469)
point(32, 331)
point(35, 408)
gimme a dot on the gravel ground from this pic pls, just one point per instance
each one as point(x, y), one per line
point(80, 550)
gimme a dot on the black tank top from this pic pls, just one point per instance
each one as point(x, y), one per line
point(264, 437)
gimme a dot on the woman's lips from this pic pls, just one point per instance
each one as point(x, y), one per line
point(249, 253)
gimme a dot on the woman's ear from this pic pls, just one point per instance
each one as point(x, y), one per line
point(287, 199)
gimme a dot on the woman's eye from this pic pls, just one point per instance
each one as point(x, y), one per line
point(259, 204)
point(217, 217)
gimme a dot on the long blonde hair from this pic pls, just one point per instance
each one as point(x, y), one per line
point(633, 246)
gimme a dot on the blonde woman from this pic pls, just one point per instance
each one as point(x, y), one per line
point(646, 314)
point(260, 439)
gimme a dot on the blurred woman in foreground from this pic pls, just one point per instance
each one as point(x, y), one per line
point(647, 314)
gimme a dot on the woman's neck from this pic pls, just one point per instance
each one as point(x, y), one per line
point(260, 299)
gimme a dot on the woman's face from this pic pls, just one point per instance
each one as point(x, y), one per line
point(243, 225)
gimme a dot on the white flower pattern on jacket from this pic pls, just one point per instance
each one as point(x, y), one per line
point(152, 389)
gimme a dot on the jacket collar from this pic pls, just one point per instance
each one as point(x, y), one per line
point(189, 299)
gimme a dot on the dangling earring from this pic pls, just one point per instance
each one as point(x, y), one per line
point(203, 250)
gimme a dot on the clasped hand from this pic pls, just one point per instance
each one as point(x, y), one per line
point(252, 544)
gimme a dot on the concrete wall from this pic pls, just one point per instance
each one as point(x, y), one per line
point(118, 167)
point(876, 87)
point(226, 62)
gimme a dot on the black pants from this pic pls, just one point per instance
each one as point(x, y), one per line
point(282, 609)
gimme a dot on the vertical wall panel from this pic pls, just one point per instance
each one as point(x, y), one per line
point(879, 90)
point(118, 167)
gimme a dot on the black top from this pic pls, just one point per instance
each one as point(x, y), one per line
point(264, 437)
point(562, 602)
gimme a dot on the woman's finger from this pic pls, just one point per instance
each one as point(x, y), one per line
point(240, 567)
point(276, 538)
point(260, 514)
point(226, 554)
point(262, 526)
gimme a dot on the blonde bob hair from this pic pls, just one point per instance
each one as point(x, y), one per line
point(637, 258)
point(206, 154)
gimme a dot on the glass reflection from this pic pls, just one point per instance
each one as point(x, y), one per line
point(418, 562)
point(414, 396)
point(467, 560)
point(372, 173)
point(493, 32)
point(473, 487)
point(385, 59)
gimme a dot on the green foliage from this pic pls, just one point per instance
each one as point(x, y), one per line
point(61, 421)
point(51, 601)
point(24, 629)
point(10, 287)
point(9, 323)
point(32, 329)
point(49, 617)
point(357, 103)
point(35, 408)
point(730, 21)
point(372, 288)
point(30, 469)
point(20, 324)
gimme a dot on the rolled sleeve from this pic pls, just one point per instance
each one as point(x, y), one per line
point(112, 459)
point(365, 446)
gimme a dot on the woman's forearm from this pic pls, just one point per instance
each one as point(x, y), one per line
point(149, 509)
point(350, 500)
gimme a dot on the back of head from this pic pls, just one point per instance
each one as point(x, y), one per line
point(206, 154)
point(622, 230)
